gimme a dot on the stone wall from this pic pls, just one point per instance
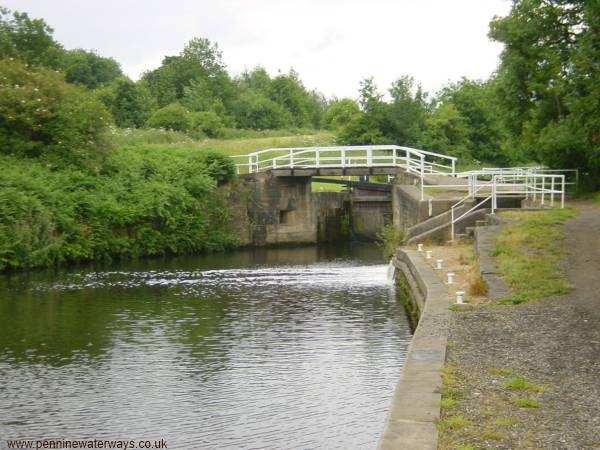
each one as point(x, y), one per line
point(332, 214)
point(279, 209)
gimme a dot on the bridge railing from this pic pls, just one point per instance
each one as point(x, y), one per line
point(545, 188)
point(420, 162)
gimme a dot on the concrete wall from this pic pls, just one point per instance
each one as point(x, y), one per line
point(271, 209)
point(369, 217)
point(279, 209)
point(332, 214)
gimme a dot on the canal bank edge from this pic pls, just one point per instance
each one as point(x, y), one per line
point(415, 408)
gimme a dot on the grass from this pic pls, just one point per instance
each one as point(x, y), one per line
point(326, 187)
point(529, 251)
point(501, 372)
point(505, 422)
point(522, 384)
point(526, 402)
point(253, 141)
point(448, 403)
point(489, 418)
point(452, 423)
point(477, 286)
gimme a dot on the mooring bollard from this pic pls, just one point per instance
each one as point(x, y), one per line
point(450, 278)
point(429, 254)
point(419, 247)
point(460, 297)
point(438, 264)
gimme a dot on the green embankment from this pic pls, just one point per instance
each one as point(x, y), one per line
point(529, 252)
point(154, 193)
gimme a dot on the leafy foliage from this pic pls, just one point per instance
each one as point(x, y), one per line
point(142, 202)
point(548, 81)
point(172, 117)
point(89, 69)
point(41, 114)
point(28, 39)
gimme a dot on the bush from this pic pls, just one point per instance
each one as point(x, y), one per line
point(219, 167)
point(207, 122)
point(41, 114)
point(142, 202)
point(172, 117)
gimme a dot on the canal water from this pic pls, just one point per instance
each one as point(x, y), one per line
point(271, 349)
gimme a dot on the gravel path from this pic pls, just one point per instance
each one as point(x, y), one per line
point(554, 343)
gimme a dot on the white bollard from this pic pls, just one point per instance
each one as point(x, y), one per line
point(460, 297)
point(419, 247)
point(450, 278)
point(429, 254)
point(438, 264)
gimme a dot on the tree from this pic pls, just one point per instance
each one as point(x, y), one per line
point(447, 132)
point(172, 117)
point(339, 113)
point(199, 60)
point(89, 69)
point(130, 104)
point(42, 115)
point(408, 112)
point(548, 81)
point(29, 40)
point(255, 111)
point(476, 102)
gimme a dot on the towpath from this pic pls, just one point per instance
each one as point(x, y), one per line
point(554, 342)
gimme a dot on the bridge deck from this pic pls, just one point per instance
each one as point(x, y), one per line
point(335, 171)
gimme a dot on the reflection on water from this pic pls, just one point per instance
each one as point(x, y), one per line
point(288, 348)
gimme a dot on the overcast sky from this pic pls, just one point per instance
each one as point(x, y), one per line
point(333, 44)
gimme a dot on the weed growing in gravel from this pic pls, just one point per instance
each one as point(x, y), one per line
point(505, 422)
point(477, 286)
point(448, 403)
point(452, 423)
point(521, 384)
point(526, 402)
point(492, 435)
point(500, 372)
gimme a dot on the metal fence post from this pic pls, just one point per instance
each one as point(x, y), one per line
point(543, 188)
point(422, 177)
point(494, 205)
point(552, 191)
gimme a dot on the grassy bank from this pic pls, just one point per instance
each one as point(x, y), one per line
point(135, 202)
point(529, 251)
point(154, 193)
point(250, 142)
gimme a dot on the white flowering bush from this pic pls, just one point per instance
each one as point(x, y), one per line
point(42, 115)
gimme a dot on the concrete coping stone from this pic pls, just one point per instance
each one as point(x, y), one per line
point(415, 408)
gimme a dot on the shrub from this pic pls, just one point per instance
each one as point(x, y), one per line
point(219, 167)
point(141, 202)
point(41, 114)
point(390, 238)
point(172, 117)
point(208, 122)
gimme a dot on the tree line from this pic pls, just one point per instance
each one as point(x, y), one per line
point(541, 105)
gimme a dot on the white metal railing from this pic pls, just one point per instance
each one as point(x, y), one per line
point(531, 181)
point(418, 162)
point(542, 187)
